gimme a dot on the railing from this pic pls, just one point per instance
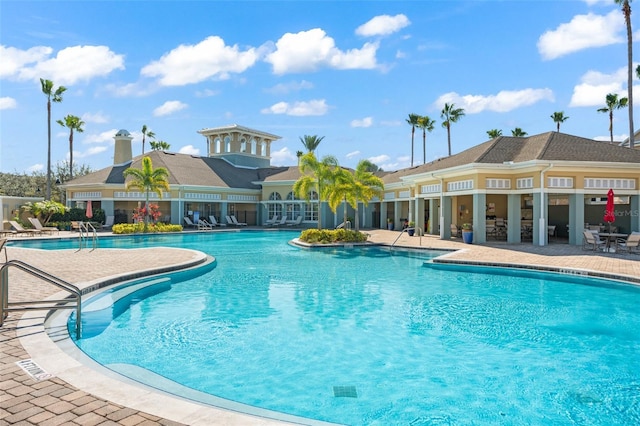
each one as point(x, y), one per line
point(417, 229)
point(83, 229)
point(6, 306)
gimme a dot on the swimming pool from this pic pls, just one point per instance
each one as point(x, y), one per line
point(371, 337)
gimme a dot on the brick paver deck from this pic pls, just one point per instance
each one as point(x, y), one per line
point(101, 400)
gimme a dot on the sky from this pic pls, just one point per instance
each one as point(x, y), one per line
point(348, 71)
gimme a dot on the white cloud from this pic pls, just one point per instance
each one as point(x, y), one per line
point(383, 25)
point(14, 60)
point(71, 65)
point(189, 149)
point(352, 154)
point(35, 168)
point(283, 157)
point(294, 86)
point(313, 107)
point(594, 87)
point(365, 122)
point(206, 93)
point(95, 118)
point(7, 103)
point(188, 64)
point(504, 101)
point(89, 152)
point(310, 50)
point(583, 32)
point(594, 2)
point(169, 107)
point(103, 137)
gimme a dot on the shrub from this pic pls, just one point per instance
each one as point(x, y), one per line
point(328, 236)
point(138, 228)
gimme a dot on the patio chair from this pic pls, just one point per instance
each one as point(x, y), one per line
point(189, 223)
point(20, 230)
point(233, 221)
point(214, 222)
point(108, 223)
point(455, 231)
point(280, 222)
point(551, 231)
point(592, 240)
point(203, 224)
point(296, 222)
point(43, 229)
point(271, 221)
point(630, 244)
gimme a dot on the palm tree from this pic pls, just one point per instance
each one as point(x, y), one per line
point(147, 179)
point(146, 132)
point(318, 176)
point(413, 120)
point(613, 103)
point(159, 145)
point(449, 115)
point(558, 117)
point(72, 123)
point(518, 133)
point(426, 124)
point(494, 133)
point(360, 186)
point(626, 11)
point(55, 96)
point(311, 142)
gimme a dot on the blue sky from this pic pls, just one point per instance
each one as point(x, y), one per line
point(351, 71)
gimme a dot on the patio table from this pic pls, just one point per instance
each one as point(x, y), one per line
point(611, 236)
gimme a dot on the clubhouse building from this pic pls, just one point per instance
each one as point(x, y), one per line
point(534, 188)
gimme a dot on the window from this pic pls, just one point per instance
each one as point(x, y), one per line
point(311, 208)
point(292, 210)
point(274, 207)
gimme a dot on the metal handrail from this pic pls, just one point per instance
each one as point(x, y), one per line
point(406, 230)
point(83, 227)
point(42, 304)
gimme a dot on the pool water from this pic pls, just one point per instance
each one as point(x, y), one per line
point(372, 337)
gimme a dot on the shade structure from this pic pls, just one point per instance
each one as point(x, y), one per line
point(89, 212)
point(609, 214)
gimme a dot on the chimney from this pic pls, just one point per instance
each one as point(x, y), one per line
point(122, 150)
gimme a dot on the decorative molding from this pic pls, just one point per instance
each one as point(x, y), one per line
point(235, 197)
point(201, 196)
point(87, 195)
point(140, 195)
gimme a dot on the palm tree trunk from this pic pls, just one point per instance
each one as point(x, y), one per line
point(627, 15)
point(424, 146)
point(449, 137)
point(48, 149)
point(71, 154)
point(611, 125)
point(413, 132)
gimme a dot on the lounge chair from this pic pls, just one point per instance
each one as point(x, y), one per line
point(22, 230)
point(296, 222)
point(233, 221)
point(3, 241)
point(108, 223)
point(203, 224)
point(214, 222)
point(271, 221)
point(189, 223)
point(455, 231)
point(630, 245)
point(280, 222)
point(43, 229)
point(592, 240)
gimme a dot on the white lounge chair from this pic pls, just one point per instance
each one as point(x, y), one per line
point(45, 229)
point(271, 221)
point(214, 222)
point(189, 223)
point(296, 222)
point(22, 230)
point(3, 241)
point(108, 223)
point(280, 222)
point(203, 224)
point(592, 240)
point(233, 221)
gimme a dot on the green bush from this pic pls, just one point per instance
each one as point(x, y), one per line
point(328, 236)
point(138, 228)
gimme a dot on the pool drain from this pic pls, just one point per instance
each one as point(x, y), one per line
point(345, 392)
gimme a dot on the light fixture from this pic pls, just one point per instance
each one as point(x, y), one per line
point(58, 181)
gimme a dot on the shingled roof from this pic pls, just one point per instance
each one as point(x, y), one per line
point(187, 169)
point(550, 146)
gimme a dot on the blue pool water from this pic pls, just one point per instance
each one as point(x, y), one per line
point(369, 337)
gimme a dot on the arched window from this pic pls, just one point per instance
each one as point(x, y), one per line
point(263, 149)
point(275, 206)
point(227, 144)
point(217, 146)
point(292, 209)
point(243, 145)
point(311, 208)
point(254, 146)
